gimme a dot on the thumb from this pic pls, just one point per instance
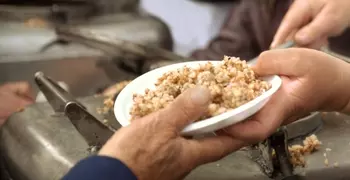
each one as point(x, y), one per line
point(22, 89)
point(186, 108)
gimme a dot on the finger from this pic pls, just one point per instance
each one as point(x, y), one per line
point(186, 108)
point(266, 121)
point(287, 62)
point(22, 89)
point(214, 148)
point(16, 101)
point(297, 15)
point(320, 27)
point(318, 44)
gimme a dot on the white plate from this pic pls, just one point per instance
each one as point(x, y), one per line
point(124, 100)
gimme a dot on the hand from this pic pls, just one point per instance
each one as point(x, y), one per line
point(13, 97)
point(311, 22)
point(153, 148)
point(312, 81)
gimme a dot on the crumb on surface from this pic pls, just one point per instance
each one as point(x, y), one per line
point(326, 162)
point(110, 93)
point(113, 90)
point(336, 164)
point(99, 111)
point(20, 109)
point(232, 83)
point(108, 103)
point(298, 152)
point(36, 23)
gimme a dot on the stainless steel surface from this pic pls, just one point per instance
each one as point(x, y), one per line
point(334, 135)
point(84, 69)
point(305, 126)
point(72, 10)
point(337, 55)
point(56, 96)
point(261, 153)
point(38, 145)
point(111, 44)
point(94, 131)
point(52, 141)
point(20, 42)
point(108, 6)
point(84, 76)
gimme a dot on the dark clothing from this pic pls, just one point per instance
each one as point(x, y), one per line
point(249, 30)
point(100, 168)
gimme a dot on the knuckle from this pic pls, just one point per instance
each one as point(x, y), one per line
point(151, 122)
point(185, 109)
point(264, 55)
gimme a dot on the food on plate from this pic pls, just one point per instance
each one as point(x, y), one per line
point(232, 83)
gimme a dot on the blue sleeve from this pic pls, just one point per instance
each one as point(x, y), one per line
point(100, 167)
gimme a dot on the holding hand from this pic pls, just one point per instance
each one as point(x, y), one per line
point(312, 81)
point(13, 97)
point(153, 148)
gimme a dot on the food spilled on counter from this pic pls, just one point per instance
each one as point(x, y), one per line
point(109, 95)
point(36, 23)
point(115, 89)
point(298, 152)
point(232, 83)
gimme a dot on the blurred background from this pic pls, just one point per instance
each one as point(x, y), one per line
point(30, 38)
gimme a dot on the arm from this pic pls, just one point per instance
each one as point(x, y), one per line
point(232, 38)
point(247, 31)
point(100, 167)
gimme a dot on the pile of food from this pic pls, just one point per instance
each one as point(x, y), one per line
point(298, 152)
point(232, 83)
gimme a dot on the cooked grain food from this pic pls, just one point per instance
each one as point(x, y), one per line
point(298, 152)
point(232, 83)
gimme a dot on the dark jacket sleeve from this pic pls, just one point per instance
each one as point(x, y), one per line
point(100, 167)
point(247, 31)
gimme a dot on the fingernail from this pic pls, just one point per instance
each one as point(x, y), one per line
point(273, 45)
point(200, 96)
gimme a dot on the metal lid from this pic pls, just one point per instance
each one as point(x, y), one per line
point(46, 11)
